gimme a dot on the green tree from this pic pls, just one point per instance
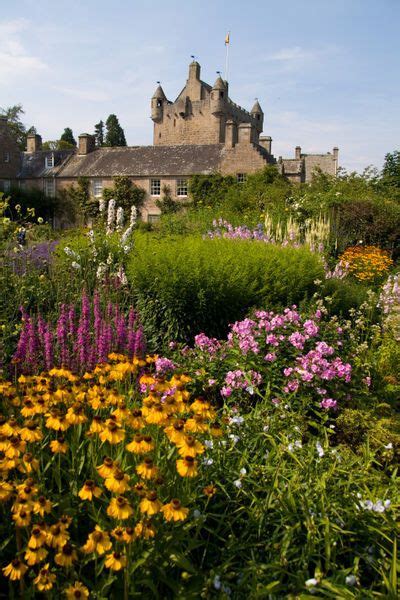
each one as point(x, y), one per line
point(68, 137)
point(99, 134)
point(115, 134)
point(167, 204)
point(125, 193)
point(79, 196)
point(57, 145)
point(391, 169)
point(17, 128)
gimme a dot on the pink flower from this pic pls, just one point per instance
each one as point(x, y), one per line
point(328, 403)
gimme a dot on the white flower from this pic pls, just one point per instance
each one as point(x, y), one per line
point(102, 205)
point(388, 446)
point(234, 438)
point(265, 428)
point(101, 271)
point(217, 582)
point(236, 421)
point(120, 218)
point(298, 444)
point(133, 217)
point(75, 265)
point(110, 217)
point(209, 444)
point(243, 471)
point(311, 582)
point(196, 514)
point(320, 449)
point(237, 483)
point(208, 462)
point(351, 580)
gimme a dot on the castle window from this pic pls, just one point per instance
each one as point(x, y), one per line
point(153, 218)
point(6, 185)
point(49, 188)
point(97, 188)
point(6, 157)
point(241, 177)
point(49, 161)
point(155, 187)
point(182, 187)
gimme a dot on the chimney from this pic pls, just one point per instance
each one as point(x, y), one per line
point(86, 143)
point(230, 134)
point(297, 153)
point(266, 142)
point(33, 143)
point(336, 153)
point(245, 133)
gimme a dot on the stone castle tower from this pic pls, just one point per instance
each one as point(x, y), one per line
point(202, 114)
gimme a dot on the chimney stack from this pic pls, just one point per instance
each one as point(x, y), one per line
point(266, 142)
point(245, 133)
point(230, 134)
point(297, 153)
point(86, 143)
point(33, 143)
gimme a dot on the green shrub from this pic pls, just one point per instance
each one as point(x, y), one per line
point(182, 286)
point(345, 295)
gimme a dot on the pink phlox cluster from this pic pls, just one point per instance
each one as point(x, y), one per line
point(239, 380)
point(163, 365)
point(244, 333)
point(389, 297)
point(209, 345)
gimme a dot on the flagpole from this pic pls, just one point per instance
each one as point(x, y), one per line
point(227, 40)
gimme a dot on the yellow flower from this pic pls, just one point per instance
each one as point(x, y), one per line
point(107, 468)
point(15, 569)
point(118, 482)
point(147, 470)
point(98, 541)
point(141, 444)
point(35, 555)
point(6, 490)
point(112, 432)
point(210, 490)
point(150, 505)
point(115, 561)
point(31, 432)
point(119, 508)
point(187, 467)
point(174, 511)
point(22, 517)
point(28, 463)
point(201, 407)
point(135, 419)
point(38, 537)
point(89, 490)
point(96, 425)
point(76, 591)
point(42, 506)
point(65, 556)
point(157, 415)
point(76, 414)
point(57, 536)
point(196, 424)
point(216, 430)
point(144, 529)
point(59, 446)
point(15, 446)
point(175, 431)
point(44, 581)
point(128, 535)
point(57, 421)
point(189, 446)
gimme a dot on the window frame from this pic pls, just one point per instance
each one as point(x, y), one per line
point(241, 177)
point(49, 161)
point(154, 185)
point(95, 184)
point(180, 186)
point(153, 218)
point(48, 180)
point(6, 185)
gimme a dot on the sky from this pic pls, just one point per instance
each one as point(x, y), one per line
point(325, 72)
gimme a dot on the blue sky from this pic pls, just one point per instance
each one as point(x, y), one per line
point(326, 73)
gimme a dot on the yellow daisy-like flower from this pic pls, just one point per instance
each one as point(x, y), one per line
point(31, 432)
point(66, 556)
point(42, 506)
point(57, 421)
point(216, 429)
point(141, 444)
point(118, 534)
point(157, 415)
point(6, 490)
point(107, 468)
point(76, 414)
point(129, 535)
point(174, 511)
point(90, 490)
point(112, 432)
point(77, 591)
point(22, 517)
point(57, 536)
point(118, 482)
point(44, 581)
point(38, 537)
point(28, 463)
point(147, 469)
point(15, 447)
point(176, 431)
point(98, 541)
point(119, 508)
point(59, 446)
point(135, 419)
point(196, 424)
point(150, 505)
point(145, 530)
point(189, 446)
point(15, 570)
point(115, 561)
point(187, 467)
point(96, 425)
point(202, 407)
point(34, 556)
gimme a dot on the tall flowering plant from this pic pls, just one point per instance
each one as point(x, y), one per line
point(80, 339)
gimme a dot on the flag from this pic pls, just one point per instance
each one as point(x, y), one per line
point(227, 38)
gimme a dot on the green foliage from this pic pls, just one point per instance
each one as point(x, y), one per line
point(125, 193)
point(79, 196)
point(345, 295)
point(68, 137)
point(210, 189)
point(16, 126)
point(167, 204)
point(115, 134)
point(40, 205)
point(57, 145)
point(391, 170)
point(184, 286)
point(99, 134)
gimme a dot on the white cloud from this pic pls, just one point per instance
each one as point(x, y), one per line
point(92, 95)
point(15, 60)
point(296, 53)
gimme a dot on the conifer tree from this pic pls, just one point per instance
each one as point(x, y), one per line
point(68, 137)
point(99, 134)
point(115, 134)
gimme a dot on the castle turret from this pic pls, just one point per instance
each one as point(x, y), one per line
point(218, 98)
point(258, 115)
point(157, 104)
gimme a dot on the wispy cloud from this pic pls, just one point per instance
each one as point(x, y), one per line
point(15, 60)
point(293, 54)
point(91, 95)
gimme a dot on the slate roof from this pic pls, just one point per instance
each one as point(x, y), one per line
point(145, 161)
point(34, 164)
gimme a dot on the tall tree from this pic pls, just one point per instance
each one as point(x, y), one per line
point(115, 134)
point(17, 128)
point(391, 169)
point(99, 134)
point(68, 137)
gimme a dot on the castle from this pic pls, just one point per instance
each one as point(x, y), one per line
point(202, 131)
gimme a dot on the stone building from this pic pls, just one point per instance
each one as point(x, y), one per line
point(202, 131)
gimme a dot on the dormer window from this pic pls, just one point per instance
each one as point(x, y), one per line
point(49, 161)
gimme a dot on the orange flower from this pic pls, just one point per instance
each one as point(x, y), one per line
point(187, 467)
point(89, 491)
point(147, 470)
point(150, 505)
point(174, 511)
